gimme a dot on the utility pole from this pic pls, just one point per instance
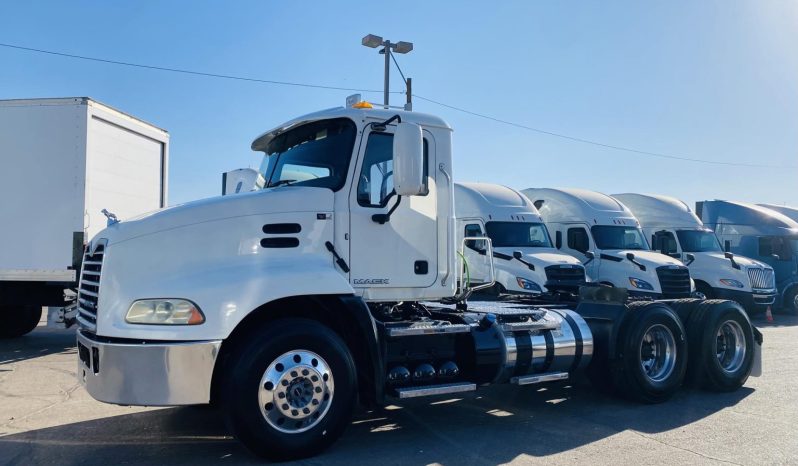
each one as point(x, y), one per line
point(388, 48)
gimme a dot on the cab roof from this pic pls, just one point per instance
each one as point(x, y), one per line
point(492, 202)
point(566, 205)
point(359, 115)
point(761, 219)
point(655, 210)
point(791, 212)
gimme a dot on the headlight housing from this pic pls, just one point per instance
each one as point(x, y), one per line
point(167, 311)
point(641, 284)
point(731, 282)
point(528, 285)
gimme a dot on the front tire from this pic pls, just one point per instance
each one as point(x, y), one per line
point(652, 361)
point(19, 320)
point(290, 389)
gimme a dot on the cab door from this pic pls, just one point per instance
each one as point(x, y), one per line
point(402, 252)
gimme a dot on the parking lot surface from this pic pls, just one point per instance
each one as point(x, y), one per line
point(47, 418)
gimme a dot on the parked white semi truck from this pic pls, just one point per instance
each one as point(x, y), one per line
point(594, 226)
point(289, 304)
point(676, 231)
point(63, 162)
point(526, 260)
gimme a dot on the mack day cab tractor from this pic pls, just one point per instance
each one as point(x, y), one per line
point(526, 261)
point(676, 231)
point(601, 229)
point(289, 304)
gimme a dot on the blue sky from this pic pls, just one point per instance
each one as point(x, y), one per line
point(715, 80)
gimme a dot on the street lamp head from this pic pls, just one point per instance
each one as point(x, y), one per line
point(403, 47)
point(374, 41)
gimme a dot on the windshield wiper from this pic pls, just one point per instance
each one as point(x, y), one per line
point(280, 183)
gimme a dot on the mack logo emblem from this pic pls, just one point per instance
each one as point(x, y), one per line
point(370, 281)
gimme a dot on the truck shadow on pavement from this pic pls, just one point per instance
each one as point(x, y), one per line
point(494, 425)
point(40, 342)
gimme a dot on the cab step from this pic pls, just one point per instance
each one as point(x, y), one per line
point(429, 390)
point(539, 378)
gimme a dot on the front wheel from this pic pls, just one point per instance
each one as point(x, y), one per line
point(18, 320)
point(653, 353)
point(290, 390)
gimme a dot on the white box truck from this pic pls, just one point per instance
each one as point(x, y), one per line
point(63, 161)
point(676, 231)
point(290, 304)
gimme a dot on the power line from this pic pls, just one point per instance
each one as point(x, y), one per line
point(596, 143)
point(337, 88)
point(178, 70)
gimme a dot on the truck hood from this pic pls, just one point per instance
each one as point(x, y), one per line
point(542, 257)
point(720, 259)
point(650, 259)
point(268, 201)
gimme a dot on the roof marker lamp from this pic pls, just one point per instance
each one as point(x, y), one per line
point(169, 311)
point(641, 284)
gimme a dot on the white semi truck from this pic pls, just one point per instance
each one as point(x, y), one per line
point(289, 304)
point(676, 231)
point(64, 161)
point(594, 226)
point(526, 261)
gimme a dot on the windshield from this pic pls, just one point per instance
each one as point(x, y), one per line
point(618, 237)
point(518, 235)
point(316, 154)
point(698, 241)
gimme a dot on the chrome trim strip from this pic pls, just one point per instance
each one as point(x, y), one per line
point(539, 378)
point(457, 387)
point(428, 330)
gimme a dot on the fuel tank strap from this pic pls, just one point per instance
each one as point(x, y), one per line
point(549, 352)
point(523, 361)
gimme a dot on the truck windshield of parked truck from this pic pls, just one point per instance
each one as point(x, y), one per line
point(619, 237)
point(698, 241)
point(518, 235)
point(316, 154)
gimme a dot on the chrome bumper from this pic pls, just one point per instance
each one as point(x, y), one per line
point(146, 374)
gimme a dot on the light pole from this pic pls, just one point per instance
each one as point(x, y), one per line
point(389, 47)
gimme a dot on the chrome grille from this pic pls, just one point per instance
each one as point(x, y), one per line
point(675, 281)
point(89, 287)
point(762, 279)
point(570, 273)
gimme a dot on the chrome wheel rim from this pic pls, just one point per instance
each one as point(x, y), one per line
point(296, 391)
point(657, 353)
point(730, 346)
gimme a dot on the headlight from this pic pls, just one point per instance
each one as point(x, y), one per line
point(164, 312)
point(641, 284)
point(527, 285)
point(732, 282)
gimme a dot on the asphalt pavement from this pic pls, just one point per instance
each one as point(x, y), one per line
point(47, 418)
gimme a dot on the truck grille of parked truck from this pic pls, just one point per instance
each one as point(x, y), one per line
point(89, 288)
point(674, 280)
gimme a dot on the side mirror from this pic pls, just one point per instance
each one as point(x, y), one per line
point(590, 256)
point(727, 246)
point(630, 256)
point(518, 255)
point(558, 239)
point(690, 258)
point(408, 160)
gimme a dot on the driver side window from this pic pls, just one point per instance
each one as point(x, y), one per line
point(375, 182)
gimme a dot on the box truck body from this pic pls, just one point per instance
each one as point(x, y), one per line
point(65, 160)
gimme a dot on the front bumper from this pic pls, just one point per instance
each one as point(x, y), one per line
point(758, 301)
point(146, 373)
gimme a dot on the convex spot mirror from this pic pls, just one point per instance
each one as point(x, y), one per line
point(408, 160)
